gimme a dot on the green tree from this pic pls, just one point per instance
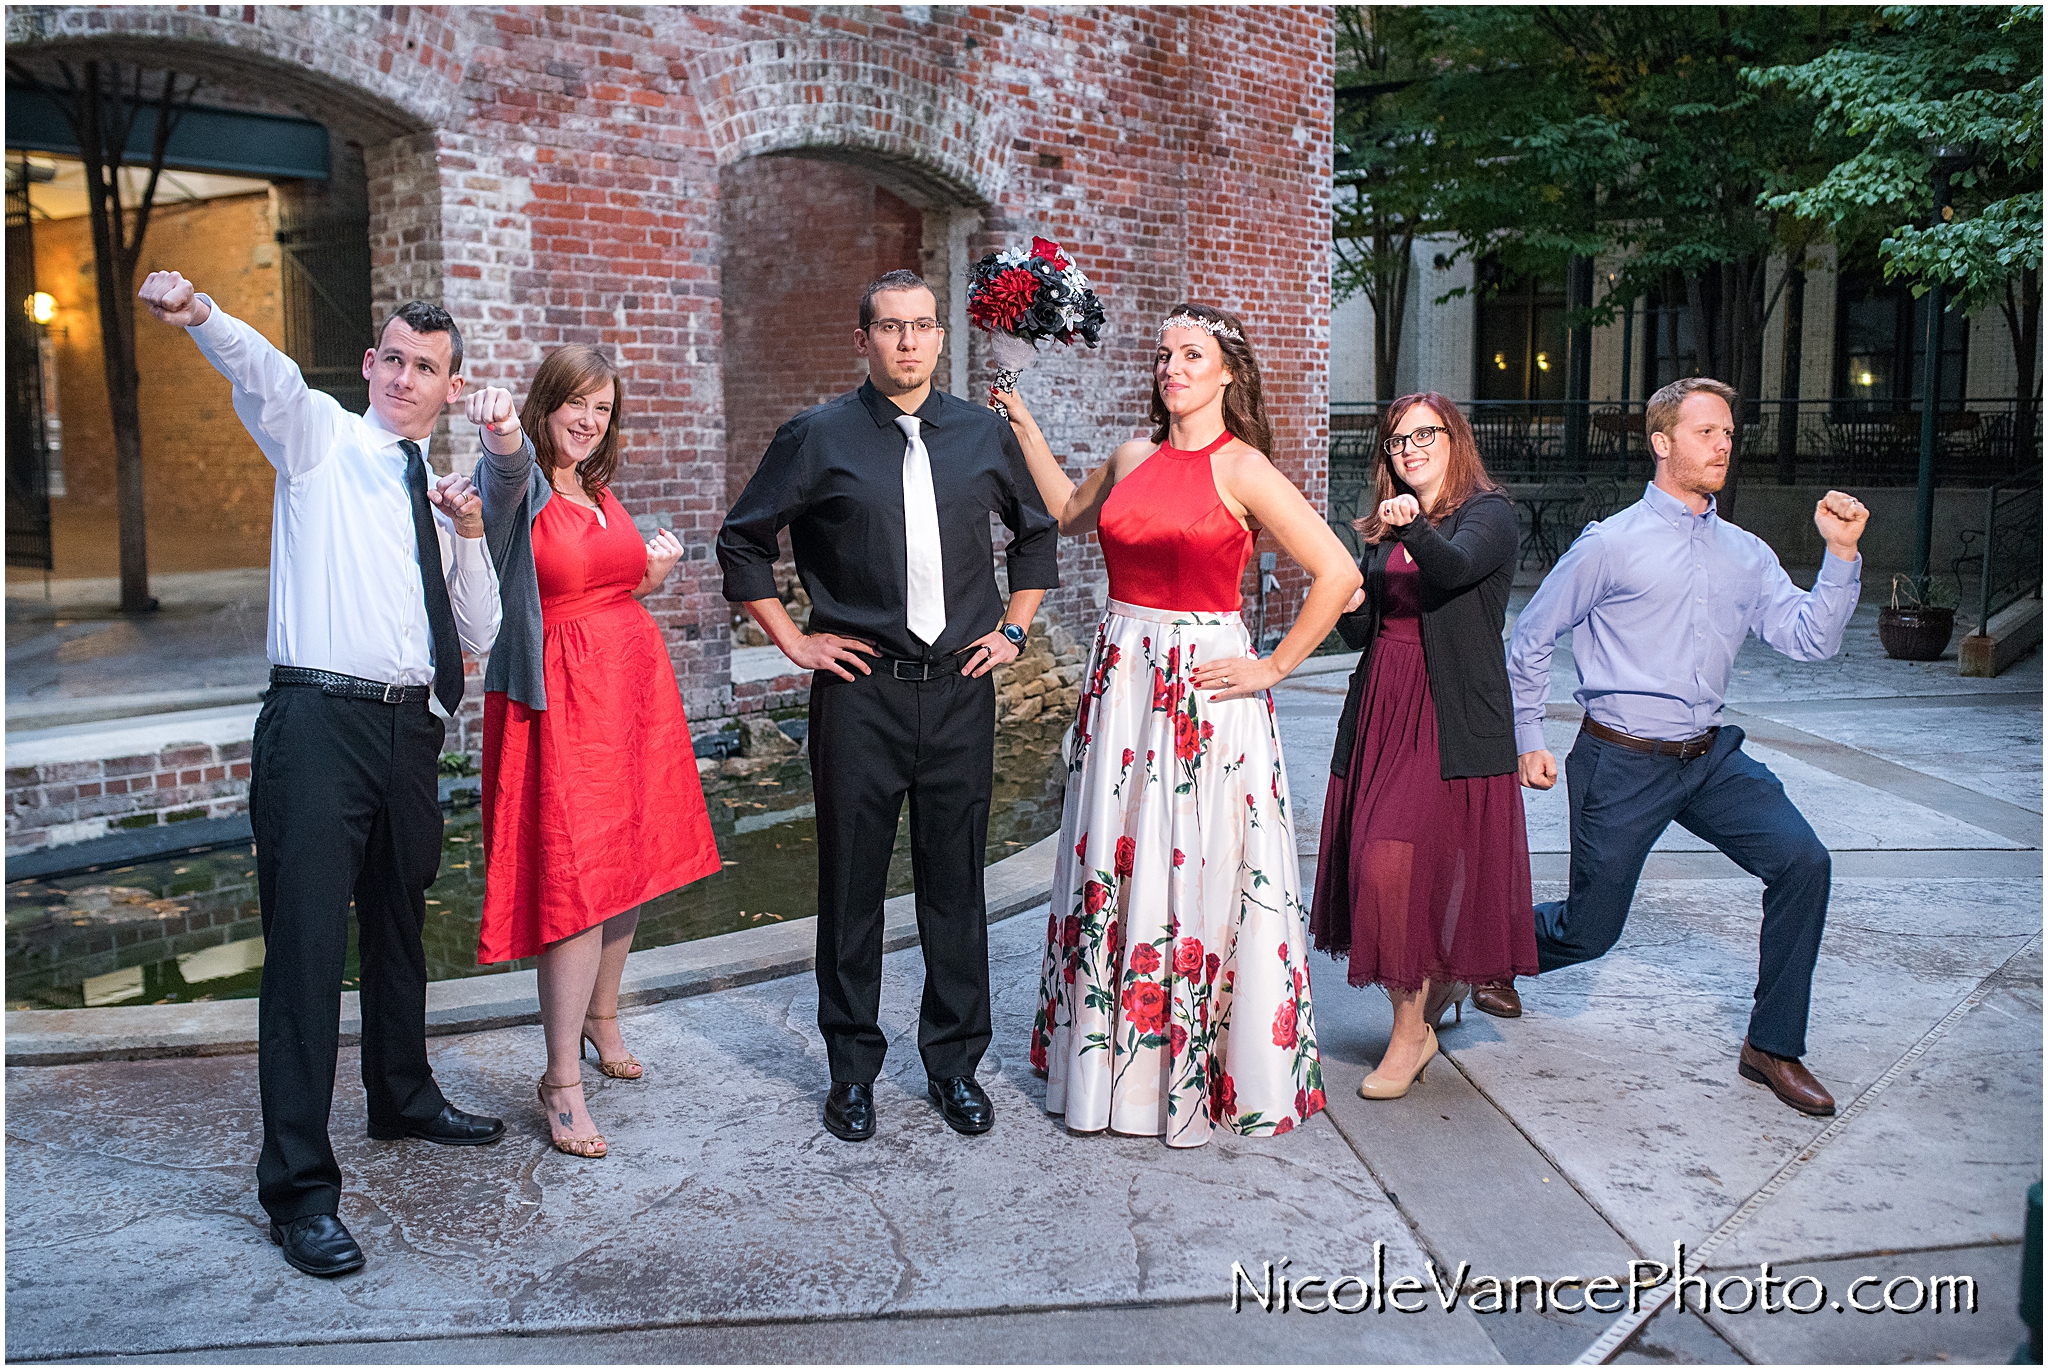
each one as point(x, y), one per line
point(1911, 82)
point(1388, 169)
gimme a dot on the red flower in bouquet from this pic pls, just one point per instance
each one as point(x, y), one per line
point(1041, 247)
point(1003, 299)
point(1145, 1005)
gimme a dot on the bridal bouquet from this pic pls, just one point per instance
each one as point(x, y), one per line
point(1023, 299)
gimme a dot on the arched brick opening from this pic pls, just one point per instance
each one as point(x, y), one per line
point(303, 263)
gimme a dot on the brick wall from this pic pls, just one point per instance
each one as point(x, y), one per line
point(209, 488)
point(556, 174)
point(802, 237)
point(70, 801)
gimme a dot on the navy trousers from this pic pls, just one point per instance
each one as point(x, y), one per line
point(1622, 801)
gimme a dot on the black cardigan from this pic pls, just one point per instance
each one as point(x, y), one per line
point(1466, 568)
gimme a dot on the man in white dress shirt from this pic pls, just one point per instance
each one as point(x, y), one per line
point(378, 582)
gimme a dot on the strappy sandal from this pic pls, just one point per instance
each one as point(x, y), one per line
point(627, 1068)
point(588, 1148)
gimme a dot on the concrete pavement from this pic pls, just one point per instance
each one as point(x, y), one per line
point(1599, 1129)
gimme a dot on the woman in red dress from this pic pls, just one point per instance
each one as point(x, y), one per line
point(591, 803)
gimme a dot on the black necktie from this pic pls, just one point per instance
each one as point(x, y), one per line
point(440, 616)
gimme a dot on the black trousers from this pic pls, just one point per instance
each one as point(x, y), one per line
point(1621, 803)
point(344, 800)
point(872, 741)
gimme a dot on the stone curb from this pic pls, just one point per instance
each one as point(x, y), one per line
point(57, 1037)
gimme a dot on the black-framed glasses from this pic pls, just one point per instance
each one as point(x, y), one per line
point(1421, 437)
point(893, 329)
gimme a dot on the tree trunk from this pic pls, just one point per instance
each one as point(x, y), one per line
point(2022, 309)
point(1788, 385)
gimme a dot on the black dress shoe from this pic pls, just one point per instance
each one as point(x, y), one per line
point(450, 1127)
point(318, 1245)
point(963, 1105)
point(850, 1111)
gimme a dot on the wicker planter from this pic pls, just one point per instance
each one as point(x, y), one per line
point(1915, 633)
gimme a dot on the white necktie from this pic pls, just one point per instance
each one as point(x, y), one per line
point(924, 578)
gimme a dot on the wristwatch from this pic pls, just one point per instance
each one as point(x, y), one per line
point(1015, 634)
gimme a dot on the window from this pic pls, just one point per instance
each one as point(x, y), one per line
point(1670, 342)
point(1521, 336)
point(1881, 343)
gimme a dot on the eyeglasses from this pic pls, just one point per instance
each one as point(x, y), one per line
point(1421, 437)
point(893, 329)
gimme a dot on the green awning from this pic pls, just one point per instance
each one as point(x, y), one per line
point(205, 139)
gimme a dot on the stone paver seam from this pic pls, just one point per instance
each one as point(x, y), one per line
point(1619, 1331)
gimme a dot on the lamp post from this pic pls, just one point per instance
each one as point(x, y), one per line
point(1948, 160)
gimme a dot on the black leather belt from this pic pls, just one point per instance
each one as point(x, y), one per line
point(349, 686)
point(1689, 749)
point(921, 670)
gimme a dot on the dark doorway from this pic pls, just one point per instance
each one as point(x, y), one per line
point(28, 457)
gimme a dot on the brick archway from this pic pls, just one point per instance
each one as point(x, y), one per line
point(839, 98)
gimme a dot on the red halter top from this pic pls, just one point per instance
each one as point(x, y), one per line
point(1168, 539)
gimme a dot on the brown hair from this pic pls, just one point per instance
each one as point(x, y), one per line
point(1464, 476)
point(889, 280)
point(564, 374)
point(1660, 415)
point(1244, 401)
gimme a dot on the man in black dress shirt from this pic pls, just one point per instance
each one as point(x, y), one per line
point(886, 492)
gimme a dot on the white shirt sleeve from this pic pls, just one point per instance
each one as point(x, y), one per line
point(291, 422)
point(472, 586)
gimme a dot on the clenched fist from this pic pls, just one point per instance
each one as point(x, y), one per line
point(457, 497)
point(172, 299)
point(663, 552)
point(1400, 511)
point(1841, 520)
point(491, 407)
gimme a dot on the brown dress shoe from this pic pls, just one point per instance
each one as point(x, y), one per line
point(1498, 998)
point(1792, 1082)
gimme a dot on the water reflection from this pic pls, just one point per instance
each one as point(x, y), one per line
point(186, 929)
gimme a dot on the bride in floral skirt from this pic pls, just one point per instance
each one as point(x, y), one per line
point(1174, 995)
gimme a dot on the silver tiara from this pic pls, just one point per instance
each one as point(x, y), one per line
point(1213, 327)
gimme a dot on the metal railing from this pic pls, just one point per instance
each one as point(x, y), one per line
point(2007, 549)
point(1791, 442)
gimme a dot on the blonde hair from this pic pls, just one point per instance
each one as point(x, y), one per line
point(1660, 415)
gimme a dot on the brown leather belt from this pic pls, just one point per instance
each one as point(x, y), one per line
point(1687, 750)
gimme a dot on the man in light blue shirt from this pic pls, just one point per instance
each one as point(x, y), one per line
point(1659, 598)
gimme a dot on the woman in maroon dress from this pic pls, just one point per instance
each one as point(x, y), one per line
point(591, 803)
point(1424, 874)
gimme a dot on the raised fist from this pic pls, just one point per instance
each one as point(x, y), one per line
point(172, 299)
point(1400, 511)
point(491, 407)
point(457, 497)
point(1840, 519)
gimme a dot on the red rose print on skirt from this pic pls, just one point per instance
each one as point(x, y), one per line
point(1145, 1005)
point(1283, 1026)
point(1144, 958)
point(1126, 855)
point(1187, 956)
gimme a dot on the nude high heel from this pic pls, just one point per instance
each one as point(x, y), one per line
point(627, 1068)
point(1374, 1086)
point(589, 1148)
point(1451, 994)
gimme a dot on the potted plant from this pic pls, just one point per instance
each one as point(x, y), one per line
point(1919, 629)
